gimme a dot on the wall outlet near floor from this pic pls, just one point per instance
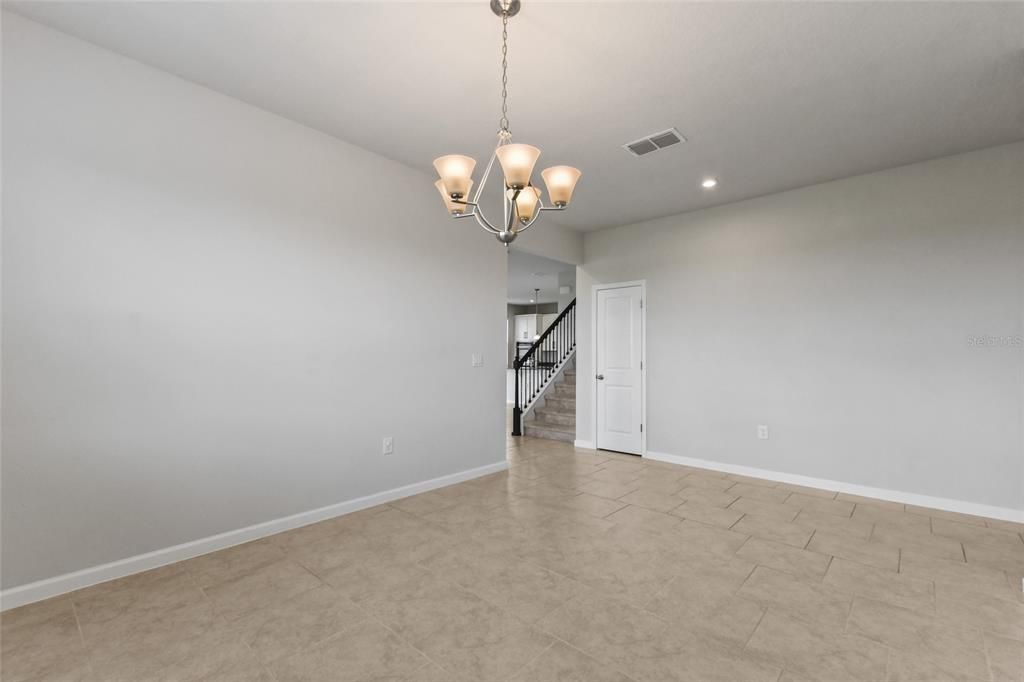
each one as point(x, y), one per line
point(388, 446)
point(762, 431)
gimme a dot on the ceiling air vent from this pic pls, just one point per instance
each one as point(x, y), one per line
point(654, 142)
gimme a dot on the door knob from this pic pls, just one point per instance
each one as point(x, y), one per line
point(600, 377)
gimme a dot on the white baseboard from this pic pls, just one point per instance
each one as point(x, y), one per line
point(69, 582)
point(585, 444)
point(946, 504)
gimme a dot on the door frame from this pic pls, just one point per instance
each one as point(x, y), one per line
point(642, 283)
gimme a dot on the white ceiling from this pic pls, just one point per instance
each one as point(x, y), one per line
point(772, 96)
point(527, 272)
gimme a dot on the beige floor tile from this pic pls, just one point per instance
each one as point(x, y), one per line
point(305, 535)
point(637, 641)
point(704, 539)
point(708, 514)
point(708, 482)
point(364, 652)
point(482, 643)
point(841, 508)
point(465, 582)
point(662, 478)
point(977, 577)
point(881, 585)
point(1005, 658)
point(644, 518)
point(952, 648)
point(796, 562)
point(298, 623)
point(233, 562)
point(709, 496)
point(972, 533)
point(947, 515)
point(610, 490)
point(616, 476)
point(766, 510)
point(905, 666)
point(775, 531)
point(626, 562)
point(261, 588)
point(569, 477)
point(1004, 558)
point(817, 605)
point(524, 590)
point(547, 492)
point(42, 643)
point(864, 552)
point(796, 646)
point(593, 504)
point(35, 613)
point(893, 518)
point(150, 592)
point(649, 499)
point(759, 492)
point(921, 541)
point(464, 516)
point(191, 639)
point(221, 658)
point(563, 663)
point(702, 598)
point(965, 604)
point(835, 525)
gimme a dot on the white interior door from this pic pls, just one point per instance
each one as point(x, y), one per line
point(619, 372)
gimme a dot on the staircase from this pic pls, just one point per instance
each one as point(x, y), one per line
point(556, 418)
point(545, 382)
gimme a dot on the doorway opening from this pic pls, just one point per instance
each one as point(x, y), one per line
point(540, 369)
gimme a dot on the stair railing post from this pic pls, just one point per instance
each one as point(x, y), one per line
point(517, 410)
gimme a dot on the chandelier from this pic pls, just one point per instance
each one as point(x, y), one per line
point(521, 199)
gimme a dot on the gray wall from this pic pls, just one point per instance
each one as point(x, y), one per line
point(212, 315)
point(842, 316)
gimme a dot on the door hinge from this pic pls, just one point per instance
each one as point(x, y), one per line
point(641, 303)
point(641, 428)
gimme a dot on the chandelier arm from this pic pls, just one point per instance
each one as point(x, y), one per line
point(483, 180)
point(481, 220)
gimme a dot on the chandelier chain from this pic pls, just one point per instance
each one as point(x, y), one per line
point(504, 73)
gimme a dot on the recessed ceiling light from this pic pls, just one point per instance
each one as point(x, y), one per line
point(709, 183)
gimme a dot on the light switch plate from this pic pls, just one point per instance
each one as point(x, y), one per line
point(478, 360)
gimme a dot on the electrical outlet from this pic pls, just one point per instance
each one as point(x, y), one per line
point(389, 445)
point(478, 360)
point(762, 431)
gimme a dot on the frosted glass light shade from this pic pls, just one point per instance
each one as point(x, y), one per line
point(453, 208)
point(526, 203)
point(517, 162)
point(456, 173)
point(561, 181)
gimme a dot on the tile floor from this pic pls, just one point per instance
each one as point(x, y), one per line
point(574, 565)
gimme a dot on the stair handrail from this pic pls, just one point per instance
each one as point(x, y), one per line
point(561, 333)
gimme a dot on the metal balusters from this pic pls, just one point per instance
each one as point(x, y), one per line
point(541, 361)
